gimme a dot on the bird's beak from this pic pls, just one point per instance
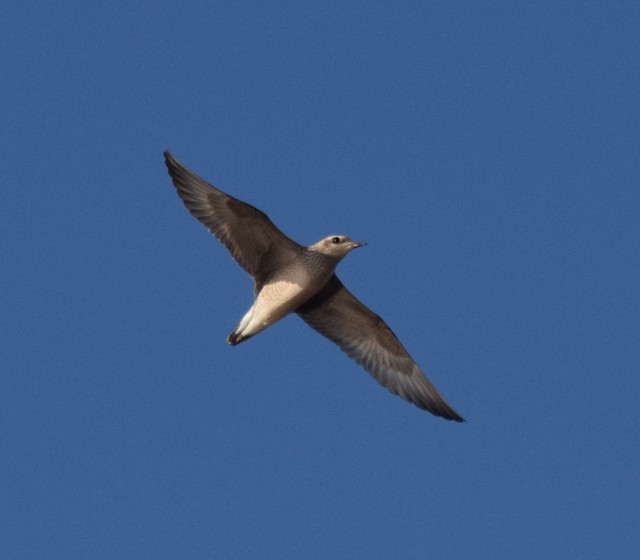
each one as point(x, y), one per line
point(357, 244)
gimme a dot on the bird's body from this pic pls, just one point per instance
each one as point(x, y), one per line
point(289, 278)
point(282, 294)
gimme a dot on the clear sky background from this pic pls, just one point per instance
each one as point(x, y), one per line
point(488, 152)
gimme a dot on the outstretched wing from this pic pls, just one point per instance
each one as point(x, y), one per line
point(253, 240)
point(335, 313)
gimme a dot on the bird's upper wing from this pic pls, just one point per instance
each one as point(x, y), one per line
point(253, 240)
point(335, 313)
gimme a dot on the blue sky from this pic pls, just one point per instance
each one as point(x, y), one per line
point(488, 153)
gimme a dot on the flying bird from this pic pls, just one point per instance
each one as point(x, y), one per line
point(291, 278)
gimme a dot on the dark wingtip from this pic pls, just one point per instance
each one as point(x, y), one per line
point(179, 174)
point(450, 414)
point(169, 160)
point(440, 408)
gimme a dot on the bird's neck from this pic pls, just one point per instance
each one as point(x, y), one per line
point(320, 264)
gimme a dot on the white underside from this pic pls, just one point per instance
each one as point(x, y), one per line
point(275, 300)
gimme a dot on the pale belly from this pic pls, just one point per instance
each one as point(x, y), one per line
point(276, 299)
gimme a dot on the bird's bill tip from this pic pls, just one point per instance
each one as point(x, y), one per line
point(357, 244)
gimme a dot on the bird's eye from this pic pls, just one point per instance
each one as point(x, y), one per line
point(335, 240)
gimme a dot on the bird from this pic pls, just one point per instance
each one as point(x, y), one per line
point(292, 278)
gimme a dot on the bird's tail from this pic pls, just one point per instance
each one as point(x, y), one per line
point(236, 338)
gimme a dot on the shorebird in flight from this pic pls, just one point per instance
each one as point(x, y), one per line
point(291, 278)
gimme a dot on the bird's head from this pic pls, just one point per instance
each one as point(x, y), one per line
point(336, 246)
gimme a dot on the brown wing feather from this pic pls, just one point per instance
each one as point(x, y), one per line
point(251, 237)
point(335, 313)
